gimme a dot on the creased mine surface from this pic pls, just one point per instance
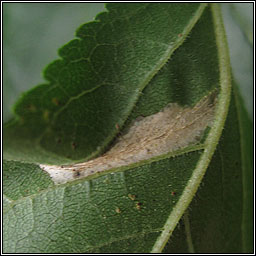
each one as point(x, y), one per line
point(170, 129)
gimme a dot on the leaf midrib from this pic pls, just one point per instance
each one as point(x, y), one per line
point(213, 136)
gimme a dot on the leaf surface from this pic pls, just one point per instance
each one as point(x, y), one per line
point(216, 212)
point(29, 36)
point(123, 67)
point(97, 83)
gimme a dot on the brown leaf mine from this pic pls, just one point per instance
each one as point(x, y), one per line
point(172, 128)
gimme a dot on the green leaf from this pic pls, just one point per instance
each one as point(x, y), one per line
point(240, 49)
point(110, 93)
point(70, 218)
point(246, 134)
point(29, 36)
point(97, 83)
point(241, 14)
point(215, 216)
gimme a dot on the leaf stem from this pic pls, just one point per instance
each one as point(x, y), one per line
point(214, 134)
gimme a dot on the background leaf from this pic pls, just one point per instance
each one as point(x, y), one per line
point(241, 50)
point(246, 133)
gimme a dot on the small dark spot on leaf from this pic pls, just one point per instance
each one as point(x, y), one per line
point(73, 145)
point(59, 140)
point(173, 193)
point(138, 205)
point(31, 108)
point(132, 197)
point(76, 174)
point(118, 210)
point(55, 101)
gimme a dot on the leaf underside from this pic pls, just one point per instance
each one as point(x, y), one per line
point(106, 79)
point(215, 213)
point(99, 84)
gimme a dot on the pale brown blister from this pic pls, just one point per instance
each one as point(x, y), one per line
point(172, 128)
